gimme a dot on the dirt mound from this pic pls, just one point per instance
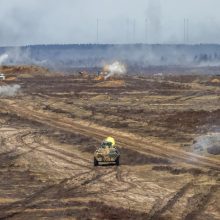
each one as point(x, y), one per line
point(100, 98)
point(112, 83)
point(23, 71)
point(215, 81)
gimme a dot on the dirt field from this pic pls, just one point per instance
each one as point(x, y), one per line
point(166, 127)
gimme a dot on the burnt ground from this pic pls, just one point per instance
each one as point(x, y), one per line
point(50, 130)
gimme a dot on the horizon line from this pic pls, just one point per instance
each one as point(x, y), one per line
point(113, 44)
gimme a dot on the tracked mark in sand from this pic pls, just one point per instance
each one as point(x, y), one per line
point(159, 208)
point(63, 152)
point(20, 141)
point(20, 206)
point(8, 158)
point(50, 151)
point(118, 174)
point(67, 124)
point(64, 187)
point(198, 202)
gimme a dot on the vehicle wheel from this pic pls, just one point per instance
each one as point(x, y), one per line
point(117, 161)
point(96, 163)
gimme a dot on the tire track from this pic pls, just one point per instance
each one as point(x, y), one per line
point(20, 206)
point(8, 158)
point(55, 153)
point(161, 207)
point(144, 146)
point(79, 182)
point(93, 174)
point(20, 142)
point(63, 152)
point(198, 202)
point(96, 174)
point(118, 174)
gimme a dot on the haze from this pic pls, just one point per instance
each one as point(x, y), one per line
point(25, 22)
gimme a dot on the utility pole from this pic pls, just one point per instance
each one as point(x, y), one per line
point(187, 30)
point(134, 30)
point(184, 31)
point(146, 31)
point(97, 31)
point(127, 30)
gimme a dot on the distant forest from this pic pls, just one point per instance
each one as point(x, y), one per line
point(96, 55)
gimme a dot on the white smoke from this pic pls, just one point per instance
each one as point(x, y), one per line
point(3, 58)
point(20, 56)
point(204, 142)
point(115, 69)
point(9, 90)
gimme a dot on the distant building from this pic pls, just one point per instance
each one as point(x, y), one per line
point(2, 76)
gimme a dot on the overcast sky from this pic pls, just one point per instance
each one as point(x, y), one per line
point(25, 22)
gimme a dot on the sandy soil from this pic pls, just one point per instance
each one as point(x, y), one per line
point(50, 130)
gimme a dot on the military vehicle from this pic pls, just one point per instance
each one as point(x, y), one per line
point(2, 76)
point(107, 153)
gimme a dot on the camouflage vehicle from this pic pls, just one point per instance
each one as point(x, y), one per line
point(107, 153)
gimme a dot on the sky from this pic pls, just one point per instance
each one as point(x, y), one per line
point(28, 22)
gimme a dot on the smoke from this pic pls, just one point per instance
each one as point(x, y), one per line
point(20, 56)
point(9, 90)
point(115, 69)
point(48, 22)
point(133, 56)
point(205, 142)
point(3, 58)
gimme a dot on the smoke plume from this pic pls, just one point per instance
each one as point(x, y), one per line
point(206, 142)
point(115, 69)
point(22, 56)
point(9, 90)
point(3, 58)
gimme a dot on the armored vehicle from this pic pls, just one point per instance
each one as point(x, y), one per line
point(107, 153)
point(2, 76)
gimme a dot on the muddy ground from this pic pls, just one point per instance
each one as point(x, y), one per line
point(51, 128)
